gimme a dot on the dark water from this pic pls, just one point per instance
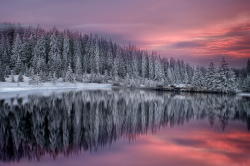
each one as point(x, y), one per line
point(124, 128)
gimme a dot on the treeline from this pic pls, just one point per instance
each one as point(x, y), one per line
point(48, 55)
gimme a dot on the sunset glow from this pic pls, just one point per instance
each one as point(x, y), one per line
point(195, 30)
point(171, 146)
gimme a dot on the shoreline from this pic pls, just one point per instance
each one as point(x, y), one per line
point(23, 87)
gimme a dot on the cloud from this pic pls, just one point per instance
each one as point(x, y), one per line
point(188, 142)
point(188, 44)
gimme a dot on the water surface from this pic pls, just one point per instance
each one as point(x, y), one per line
point(124, 127)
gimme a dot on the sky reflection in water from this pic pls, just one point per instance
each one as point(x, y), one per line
point(149, 129)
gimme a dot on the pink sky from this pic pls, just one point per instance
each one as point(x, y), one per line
point(195, 30)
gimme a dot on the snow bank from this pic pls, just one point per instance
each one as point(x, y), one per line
point(24, 86)
point(244, 94)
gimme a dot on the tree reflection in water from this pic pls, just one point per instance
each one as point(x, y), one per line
point(87, 120)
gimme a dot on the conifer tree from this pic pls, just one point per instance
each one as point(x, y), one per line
point(2, 71)
point(54, 55)
point(66, 52)
point(20, 77)
point(16, 52)
point(248, 67)
point(198, 79)
point(210, 77)
point(69, 77)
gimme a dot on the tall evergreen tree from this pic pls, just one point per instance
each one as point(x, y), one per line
point(198, 78)
point(16, 51)
point(54, 56)
point(210, 77)
point(248, 67)
point(69, 77)
point(66, 53)
point(38, 60)
point(2, 77)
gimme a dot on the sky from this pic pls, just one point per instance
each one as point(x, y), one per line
point(197, 31)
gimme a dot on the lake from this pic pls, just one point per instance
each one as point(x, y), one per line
point(124, 127)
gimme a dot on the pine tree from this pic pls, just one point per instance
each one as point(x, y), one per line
point(121, 63)
point(2, 71)
point(18, 65)
point(186, 78)
point(210, 77)
point(94, 55)
point(54, 56)
point(170, 79)
point(231, 81)
point(248, 67)
point(12, 76)
point(115, 70)
point(66, 52)
point(35, 78)
point(159, 71)
point(78, 69)
point(135, 72)
point(246, 84)
point(151, 67)
point(54, 78)
point(69, 77)
point(198, 79)
point(223, 76)
point(143, 66)
point(16, 52)
point(28, 45)
point(109, 59)
point(38, 60)
point(20, 77)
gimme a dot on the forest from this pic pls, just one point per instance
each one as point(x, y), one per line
point(51, 55)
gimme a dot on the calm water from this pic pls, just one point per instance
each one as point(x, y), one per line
point(124, 128)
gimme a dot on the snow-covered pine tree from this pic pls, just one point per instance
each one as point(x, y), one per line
point(231, 81)
point(54, 78)
point(38, 60)
point(246, 84)
point(135, 72)
point(106, 76)
point(35, 78)
point(2, 71)
point(79, 69)
point(16, 52)
point(248, 67)
point(115, 75)
point(151, 67)
point(65, 53)
point(12, 76)
point(224, 76)
point(198, 79)
point(144, 66)
point(159, 71)
point(69, 77)
point(28, 45)
point(20, 77)
point(210, 77)
point(18, 65)
point(186, 78)
point(54, 62)
point(109, 59)
point(121, 63)
point(169, 78)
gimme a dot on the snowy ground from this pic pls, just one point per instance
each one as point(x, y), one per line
point(244, 94)
point(24, 86)
point(9, 88)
